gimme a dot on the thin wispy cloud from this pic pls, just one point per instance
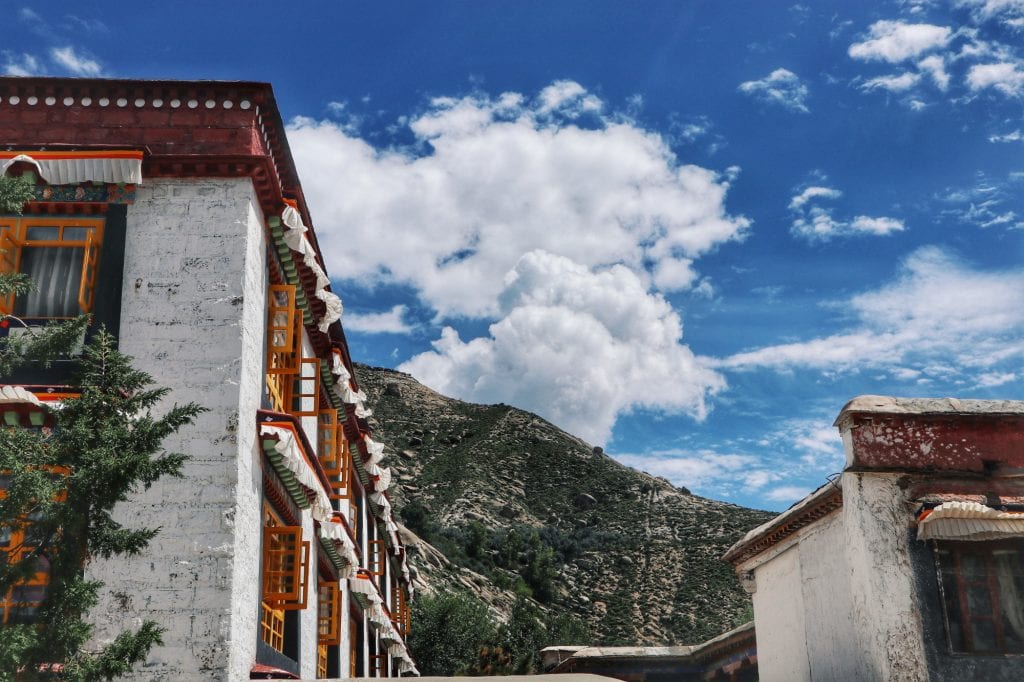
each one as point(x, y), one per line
point(70, 59)
point(389, 322)
point(938, 311)
point(781, 87)
point(21, 64)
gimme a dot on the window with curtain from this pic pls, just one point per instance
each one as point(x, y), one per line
point(60, 256)
point(982, 586)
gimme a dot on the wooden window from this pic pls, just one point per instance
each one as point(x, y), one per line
point(321, 661)
point(281, 322)
point(335, 455)
point(378, 665)
point(61, 256)
point(20, 602)
point(378, 555)
point(329, 612)
point(328, 447)
point(272, 626)
point(285, 567)
point(305, 393)
point(982, 587)
point(355, 646)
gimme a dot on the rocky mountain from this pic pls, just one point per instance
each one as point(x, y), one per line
point(497, 501)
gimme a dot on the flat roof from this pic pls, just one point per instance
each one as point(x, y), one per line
point(883, 404)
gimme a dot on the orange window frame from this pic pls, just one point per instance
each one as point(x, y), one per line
point(14, 238)
point(377, 557)
point(305, 392)
point(328, 613)
point(31, 592)
point(285, 582)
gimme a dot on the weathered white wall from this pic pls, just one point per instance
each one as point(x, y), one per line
point(779, 619)
point(884, 608)
point(192, 316)
point(832, 648)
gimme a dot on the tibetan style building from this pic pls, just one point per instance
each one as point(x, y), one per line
point(910, 565)
point(173, 214)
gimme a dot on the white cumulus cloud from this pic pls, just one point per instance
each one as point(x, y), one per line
point(576, 345)
point(1006, 77)
point(896, 83)
point(895, 41)
point(493, 178)
point(781, 87)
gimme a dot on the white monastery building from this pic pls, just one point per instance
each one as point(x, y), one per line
point(172, 213)
point(910, 565)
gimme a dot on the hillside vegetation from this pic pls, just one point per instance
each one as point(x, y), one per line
point(498, 502)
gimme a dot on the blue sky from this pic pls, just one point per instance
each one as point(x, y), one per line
point(686, 231)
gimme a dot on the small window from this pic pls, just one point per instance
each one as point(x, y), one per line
point(60, 256)
point(378, 555)
point(329, 613)
point(982, 586)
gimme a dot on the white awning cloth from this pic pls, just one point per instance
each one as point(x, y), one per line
point(73, 168)
point(295, 238)
point(293, 460)
point(969, 521)
point(17, 394)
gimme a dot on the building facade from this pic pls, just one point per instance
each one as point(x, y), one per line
point(910, 565)
point(172, 213)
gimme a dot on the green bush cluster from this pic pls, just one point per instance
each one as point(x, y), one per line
point(455, 634)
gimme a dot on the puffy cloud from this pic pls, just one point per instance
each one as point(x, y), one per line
point(77, 64)
point(814, 222)
point(492, 178)
point(895, 41)
point(937, 311)
point(782, 87)
point(1006, 77)
point(576, 345)
point(390, 322)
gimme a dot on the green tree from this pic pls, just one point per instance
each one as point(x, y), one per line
point(62, 484)
point(448, 632)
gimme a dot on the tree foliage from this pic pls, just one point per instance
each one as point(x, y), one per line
point(63, 484)
point(456, 634)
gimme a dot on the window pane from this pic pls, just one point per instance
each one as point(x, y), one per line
point(984, 635)
point(43, 233)
point(57, 274)
point(76, 234)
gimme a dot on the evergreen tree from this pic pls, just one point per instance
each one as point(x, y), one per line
point(62, 485)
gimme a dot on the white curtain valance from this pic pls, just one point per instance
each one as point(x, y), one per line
point(17, 394)
point(291, 455)
point(296, 239)
point(962, 520)
point(72, 168)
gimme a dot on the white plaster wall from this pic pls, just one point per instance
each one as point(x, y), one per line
point(884, 609)
point(192, 316)
point(779, 619)
point(832, 649)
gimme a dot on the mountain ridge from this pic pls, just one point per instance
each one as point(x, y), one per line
point(497, 501)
